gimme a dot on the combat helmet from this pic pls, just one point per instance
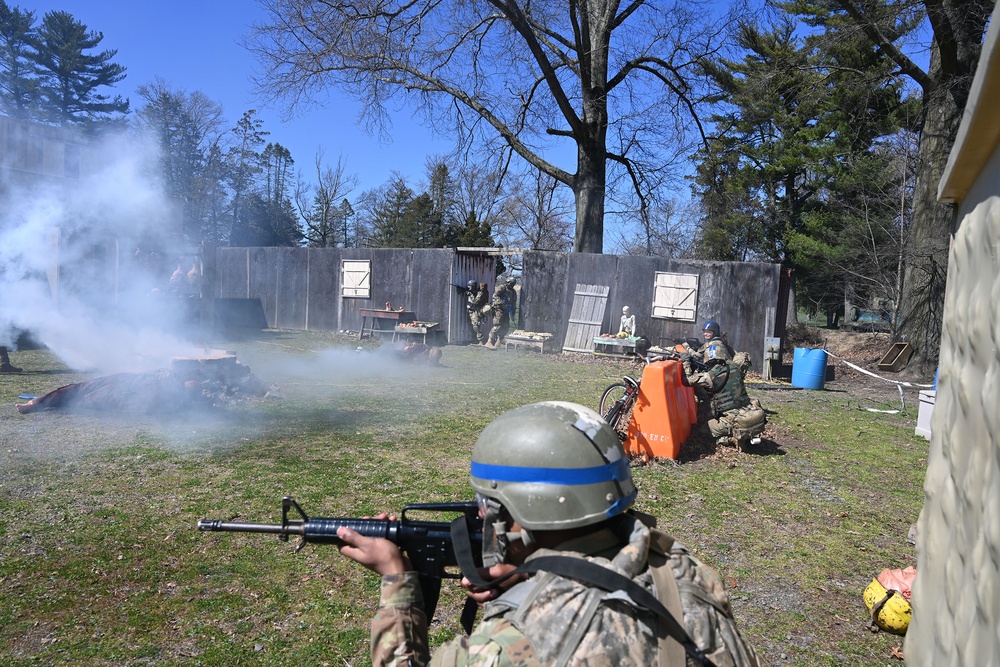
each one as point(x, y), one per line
point(712, 326)
point(553, 465)
point(471, 284)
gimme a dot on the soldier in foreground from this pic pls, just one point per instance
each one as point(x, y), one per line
point(554, 487)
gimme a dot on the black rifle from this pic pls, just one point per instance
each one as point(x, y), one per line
point(428, 544)
point(693, 343)
point(697, 365)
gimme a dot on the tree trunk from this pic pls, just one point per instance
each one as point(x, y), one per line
point(926, 256)
point(588, 190)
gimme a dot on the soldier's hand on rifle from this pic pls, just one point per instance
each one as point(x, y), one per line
point(494, 572)
point(377, 554)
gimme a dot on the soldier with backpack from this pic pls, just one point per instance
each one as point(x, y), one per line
point(572, 574)
point(735, 417)
point(718, 382)
point(502, 308)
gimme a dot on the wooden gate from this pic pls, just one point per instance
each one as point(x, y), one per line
point(586, 318)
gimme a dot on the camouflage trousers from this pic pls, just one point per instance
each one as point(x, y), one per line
point(476, 320)
point(740, 424)
point(501, 325)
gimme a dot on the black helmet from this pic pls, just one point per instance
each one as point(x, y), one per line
point(471, 284)
point(712, 326)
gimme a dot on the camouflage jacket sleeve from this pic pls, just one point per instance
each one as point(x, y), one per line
point(399, 629)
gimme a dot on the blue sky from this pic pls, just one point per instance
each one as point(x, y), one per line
point(194, 45)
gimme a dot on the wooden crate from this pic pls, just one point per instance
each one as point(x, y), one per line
point(896, 358)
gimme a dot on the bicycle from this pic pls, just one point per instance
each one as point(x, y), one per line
point(617, 403)
point(618, 400)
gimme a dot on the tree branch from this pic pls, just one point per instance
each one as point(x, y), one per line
point(908, 67)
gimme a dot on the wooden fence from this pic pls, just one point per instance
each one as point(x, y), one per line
point(302, 288)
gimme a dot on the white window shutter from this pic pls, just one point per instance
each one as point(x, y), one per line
point(356, 280)
point(675, 296)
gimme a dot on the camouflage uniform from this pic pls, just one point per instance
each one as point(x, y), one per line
point(553, 620)
point(733, 414)
point(502, 307)
point(475, 302)
point(716, 348)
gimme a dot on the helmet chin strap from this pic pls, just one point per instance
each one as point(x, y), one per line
point(496, 537)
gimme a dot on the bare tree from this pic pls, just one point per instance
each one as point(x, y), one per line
point(321, 205)
point(478, 194)
point(535, 215)
point(669, 229)
point(611, 81)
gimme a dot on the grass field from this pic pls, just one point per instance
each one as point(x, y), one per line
point(101, 564)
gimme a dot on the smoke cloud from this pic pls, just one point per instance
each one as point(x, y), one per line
point(86, 267)
point(82, 263)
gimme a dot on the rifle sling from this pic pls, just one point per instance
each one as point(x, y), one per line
point(579, 569)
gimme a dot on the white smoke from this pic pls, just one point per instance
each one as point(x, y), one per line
point(69, 274)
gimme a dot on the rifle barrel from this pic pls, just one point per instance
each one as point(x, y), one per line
point(318, 529)
point(237, 527)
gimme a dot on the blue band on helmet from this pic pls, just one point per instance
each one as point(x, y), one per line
point(622, 504)
point(611, 472)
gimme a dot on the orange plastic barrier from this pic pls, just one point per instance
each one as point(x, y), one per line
point(685, 400)
point(661, 420)
point(685, 393)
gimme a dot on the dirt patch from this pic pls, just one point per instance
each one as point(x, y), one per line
point(857, 347)
point(864, 350)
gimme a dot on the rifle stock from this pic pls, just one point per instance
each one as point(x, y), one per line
point(428, 544)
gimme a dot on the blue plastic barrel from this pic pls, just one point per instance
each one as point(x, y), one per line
point(809, 368)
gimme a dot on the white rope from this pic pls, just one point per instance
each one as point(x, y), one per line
point(900, 384)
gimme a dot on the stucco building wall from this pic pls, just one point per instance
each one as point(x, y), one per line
point(956, 596)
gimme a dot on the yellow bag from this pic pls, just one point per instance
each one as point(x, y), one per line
point(888, 609)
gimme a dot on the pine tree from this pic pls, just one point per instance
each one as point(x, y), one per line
point(392, 225)
point(72, 75)
point(244, 166)
point(183, 126)
point(777, 181)
point(345, 214)
point(18, 72)
point(476, 233)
